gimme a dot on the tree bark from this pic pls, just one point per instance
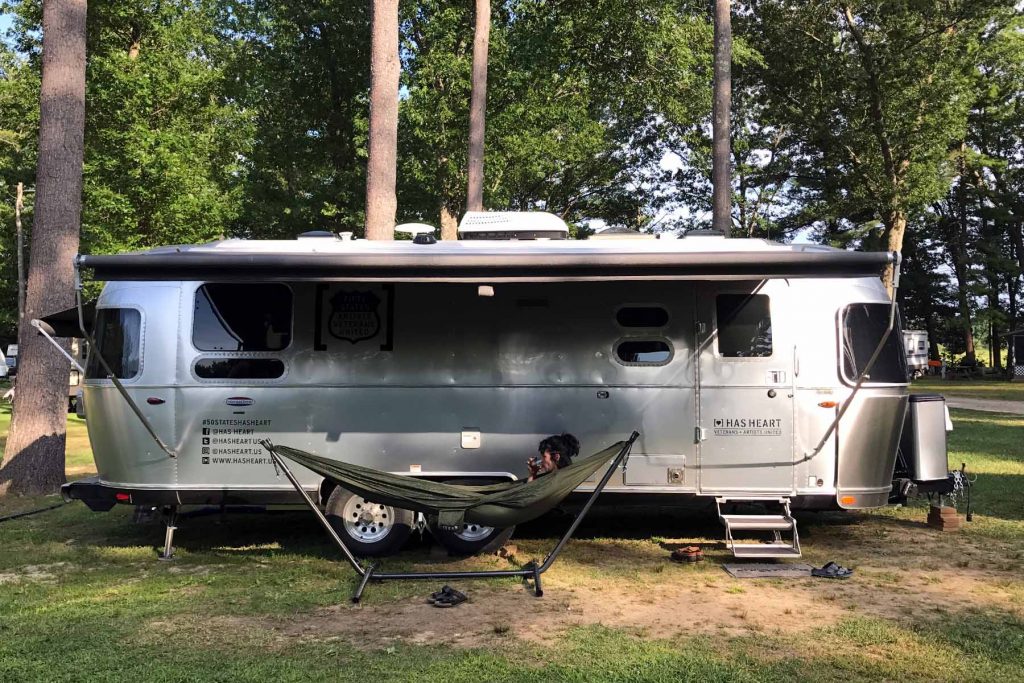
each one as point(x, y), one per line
point(896, 227)
point(34, 457)
point(478, 107)
point(721, 216)
point(381, 170)
point(449, 223)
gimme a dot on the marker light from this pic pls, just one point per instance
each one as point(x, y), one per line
point(828, 404)
point(848, 500)
point(122, 497)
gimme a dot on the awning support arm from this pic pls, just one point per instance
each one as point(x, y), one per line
point(94, 349)
point(864, 374)
point(48, 332)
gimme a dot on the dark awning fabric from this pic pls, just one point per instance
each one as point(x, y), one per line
point(65, 323)
point(485, 267)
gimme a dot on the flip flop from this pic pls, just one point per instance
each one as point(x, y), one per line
point(832, 571)
point(691, 553)
point(452, 599)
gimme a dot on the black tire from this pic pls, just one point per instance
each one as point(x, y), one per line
point(368, 531)
point(473, 540)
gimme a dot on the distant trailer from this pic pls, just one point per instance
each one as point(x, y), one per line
point(916, 344)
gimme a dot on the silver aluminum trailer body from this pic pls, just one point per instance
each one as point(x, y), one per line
point(732, 376)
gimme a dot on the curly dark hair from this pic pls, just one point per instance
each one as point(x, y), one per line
point(566, 445)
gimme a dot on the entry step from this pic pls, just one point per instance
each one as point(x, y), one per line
point(775, 521)
point(743, 550)
point(759, 522)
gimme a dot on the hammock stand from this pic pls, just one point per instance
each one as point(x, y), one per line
point(529, 570)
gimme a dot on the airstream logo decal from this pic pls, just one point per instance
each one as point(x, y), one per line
point(354, 316)
point(239, 401)
point(748, 426)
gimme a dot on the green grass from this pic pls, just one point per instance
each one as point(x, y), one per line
point(82, 597)
point(990, 389)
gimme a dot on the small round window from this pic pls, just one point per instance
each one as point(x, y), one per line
point(643, 352)
point(642, 316)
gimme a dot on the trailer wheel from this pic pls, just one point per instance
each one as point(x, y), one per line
point(365, 527)
point(473, 539)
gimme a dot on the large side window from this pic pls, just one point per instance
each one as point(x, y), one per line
point(118, 334)
point(242, 317)
point(744, 325)
point(863, 327)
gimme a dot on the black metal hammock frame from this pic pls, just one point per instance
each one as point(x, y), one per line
point(470, 496)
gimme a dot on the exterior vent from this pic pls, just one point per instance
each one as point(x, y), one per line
point(704, 233)
point(512, 225)
point(317, 235)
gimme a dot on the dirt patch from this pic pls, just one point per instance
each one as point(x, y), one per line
point(685, 603)
point(42, 573)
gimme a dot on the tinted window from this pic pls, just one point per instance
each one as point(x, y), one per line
point(236, 317)
point(239, 368)
point(744, 325)
point(644, 352)
point(118, 334)
point(863, 327)
point(642, 316)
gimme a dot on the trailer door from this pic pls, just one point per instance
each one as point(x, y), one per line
point(745, 380)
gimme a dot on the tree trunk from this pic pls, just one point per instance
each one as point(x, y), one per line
point(478, 107)
point(34, 457)
point(721, 217)
point(449, 223)
point(896, 226)
point(381, 170)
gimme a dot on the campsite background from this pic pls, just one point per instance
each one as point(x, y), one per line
point(249, 118)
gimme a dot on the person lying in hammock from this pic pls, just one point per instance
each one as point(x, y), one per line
point(555, 452)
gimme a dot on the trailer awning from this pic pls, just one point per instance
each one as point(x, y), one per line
point(434, 263)
point(65, 323)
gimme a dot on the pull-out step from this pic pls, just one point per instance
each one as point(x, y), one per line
point(777, 522)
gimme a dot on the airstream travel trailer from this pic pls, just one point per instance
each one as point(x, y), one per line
point(915, 342)
point(451, 360)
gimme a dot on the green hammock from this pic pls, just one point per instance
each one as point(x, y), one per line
point(495, 505)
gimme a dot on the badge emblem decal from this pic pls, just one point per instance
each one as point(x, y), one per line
point(354, 316)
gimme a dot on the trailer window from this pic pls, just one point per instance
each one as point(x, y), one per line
point(242, 317)
point(643, 352)
point(239, 368)
point(118, 334)
point(863, 327)
point(744, 325)
point(642, 316)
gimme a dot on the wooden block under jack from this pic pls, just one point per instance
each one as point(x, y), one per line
point(944, 518)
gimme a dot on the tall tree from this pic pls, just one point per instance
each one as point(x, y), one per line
point(478, 107)
point(382, 169)
point(34, 455)
point(721, 156)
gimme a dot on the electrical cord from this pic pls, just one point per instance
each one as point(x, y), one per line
point(18, 515)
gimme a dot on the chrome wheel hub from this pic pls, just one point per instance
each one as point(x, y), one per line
point(365, 521)
point(474, 532)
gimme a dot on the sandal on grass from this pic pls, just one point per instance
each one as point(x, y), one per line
point(690, 553)
point(452, 599)
point(832, 571)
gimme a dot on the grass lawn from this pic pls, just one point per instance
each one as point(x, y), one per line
point(264, 598)
point(992, 389)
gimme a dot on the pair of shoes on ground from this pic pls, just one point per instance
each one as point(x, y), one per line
point(446, 597)
point(691, 553)
point(832, 571)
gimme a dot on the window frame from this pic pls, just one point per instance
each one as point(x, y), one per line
point(716, 346)
point(238, 355)
point(291, 321)
point(897, 331)
point(640, 338)
point(142, 347)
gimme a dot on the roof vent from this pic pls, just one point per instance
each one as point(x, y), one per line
point(512, 225)
point(704, 233)
point(317, 235)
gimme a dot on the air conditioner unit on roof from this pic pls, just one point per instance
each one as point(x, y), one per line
point(512, 225)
